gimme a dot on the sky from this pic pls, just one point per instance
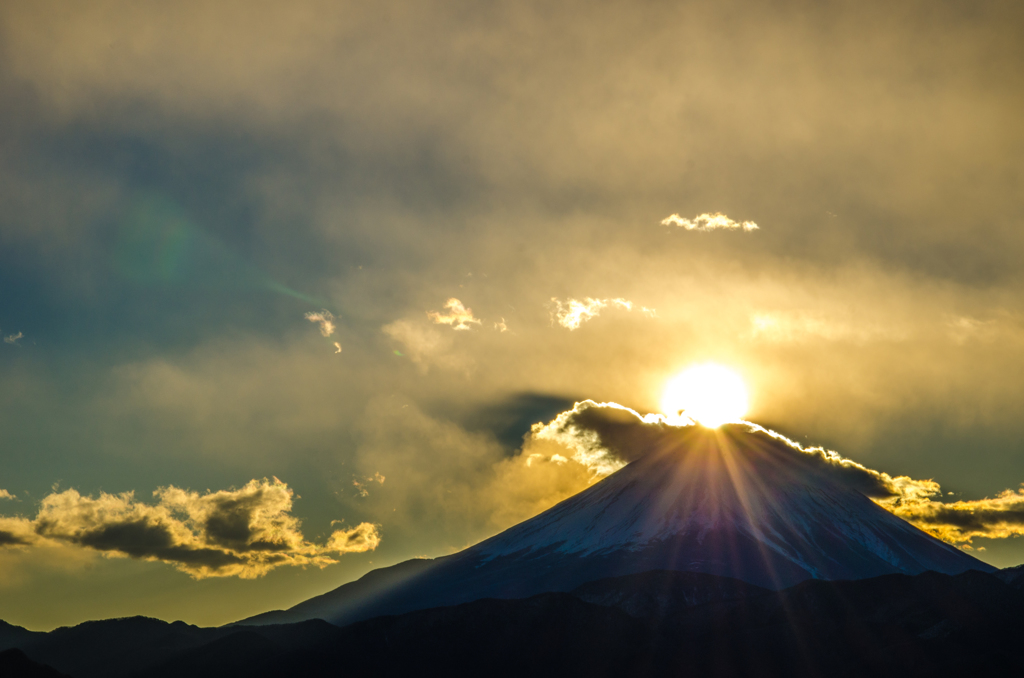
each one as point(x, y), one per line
point(285, 287)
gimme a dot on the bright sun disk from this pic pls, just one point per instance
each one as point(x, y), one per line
point(711, 394)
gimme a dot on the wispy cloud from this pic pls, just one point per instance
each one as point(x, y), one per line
point(799, 326)
point(501, 326)
point(425, 345)
point(708, 222)
point(361, 486)
point(4, 494)
point(457, 315)
point(244, 533)
point(13, 338)
point(323, 318)
point(572, 313)
point(1001, 325)
point(337, 347)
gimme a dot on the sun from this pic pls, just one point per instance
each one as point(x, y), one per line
point(711, 394)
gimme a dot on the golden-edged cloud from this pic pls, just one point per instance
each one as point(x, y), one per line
point(456, 314)
point(13, 338)
point(244, 533)
point(708, 222)
point(603, 437)
point(16, 531)
point(960, 522)
point(572, 313)
point(359, 539)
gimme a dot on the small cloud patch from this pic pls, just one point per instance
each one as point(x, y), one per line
point(455, 314)
point(325, 319)
point(708, 222)
point(572, 313)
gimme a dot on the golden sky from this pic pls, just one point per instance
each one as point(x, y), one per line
point(306, 273)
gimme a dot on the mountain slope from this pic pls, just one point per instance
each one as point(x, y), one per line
point(733, 502)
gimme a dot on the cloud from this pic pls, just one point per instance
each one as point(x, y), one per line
point(458, 316)
point(16, 532)
point(325, 319)
point(501, 326)
point(359, 539)
point(572, 313)
point(361, 490)
point(4, 494)
point(447, 487)
point(1000, 326)
point(605, 436)
point(412, 168)
point(245, 532)
point(785, 327)
point(337, 347)
point(961, 521)
point(708, 222)
point(425, 345)
point(13, 338)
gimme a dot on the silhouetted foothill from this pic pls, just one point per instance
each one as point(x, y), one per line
point(15, 664)
point(656, 623)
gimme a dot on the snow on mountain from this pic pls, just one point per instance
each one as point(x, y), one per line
point(733, 481)
point(734, 501)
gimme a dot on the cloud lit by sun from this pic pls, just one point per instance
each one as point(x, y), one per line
point(710, 394)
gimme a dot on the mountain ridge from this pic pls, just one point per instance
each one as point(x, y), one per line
point(928, 624)
point(733, 502)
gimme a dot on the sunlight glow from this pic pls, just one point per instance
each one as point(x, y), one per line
point(710, 394)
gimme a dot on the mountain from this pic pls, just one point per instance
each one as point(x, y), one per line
point(661, 594)
point(14, 636)
point(732, 502)
point(142, 646)
point(15, 664)
point(1014, 576)
point(648, 624)
point(894, 625)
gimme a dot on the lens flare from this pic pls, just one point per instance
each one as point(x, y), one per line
point(710, 394)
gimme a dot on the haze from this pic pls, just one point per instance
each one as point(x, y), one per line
point(323, 265)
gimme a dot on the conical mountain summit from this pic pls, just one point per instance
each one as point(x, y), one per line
point(735, 502)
